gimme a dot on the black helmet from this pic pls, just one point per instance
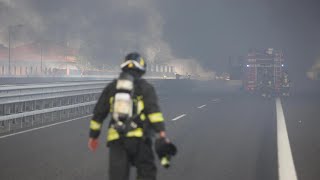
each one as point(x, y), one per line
point(134, 61)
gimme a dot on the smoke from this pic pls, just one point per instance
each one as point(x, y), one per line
point(158, 50)
point(24, 23)
point(104, 30)
point(316, 65)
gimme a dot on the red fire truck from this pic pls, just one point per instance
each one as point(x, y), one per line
point(264, 73)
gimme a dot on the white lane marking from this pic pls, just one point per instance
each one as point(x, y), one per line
point(161, 99)
point(215, 100)
point(286, 166)
point(202, 106)
point(42, 127)
point(178, 117)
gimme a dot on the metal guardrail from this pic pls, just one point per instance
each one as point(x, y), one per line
point(24, 90)
point(48, 110)
point(32, 105)
point(80, 96)
point(43, 96)
point(9, 91)
point(19, 124)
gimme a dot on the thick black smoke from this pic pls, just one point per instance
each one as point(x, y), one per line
point(103, 30)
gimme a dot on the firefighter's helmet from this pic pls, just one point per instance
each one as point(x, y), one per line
point(134, 61)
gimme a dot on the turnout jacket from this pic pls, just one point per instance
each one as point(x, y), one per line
point(148, 111)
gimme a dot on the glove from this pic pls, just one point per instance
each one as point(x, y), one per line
point(165, 150)
point(93, 144)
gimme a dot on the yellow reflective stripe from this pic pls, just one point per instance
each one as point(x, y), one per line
point(135, 133)
point(94, 125)
point(143, 117)
point(112, 134)
point(165, 161)
point(156, 117)
point(111, 103)
point(141, 62)
point(140, 106)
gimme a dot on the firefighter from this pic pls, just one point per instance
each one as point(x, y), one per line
point(135, 119)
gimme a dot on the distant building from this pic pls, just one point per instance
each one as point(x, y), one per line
point(37, 59)
point(51, 59)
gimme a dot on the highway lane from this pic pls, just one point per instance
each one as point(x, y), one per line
point(226, 140)
point(232, 137)
point(303, 121)
point(58, 152)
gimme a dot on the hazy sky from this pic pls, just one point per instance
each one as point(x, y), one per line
point(208, 31)
point(213, 30)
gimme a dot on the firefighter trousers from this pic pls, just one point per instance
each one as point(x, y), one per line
point(128, 152)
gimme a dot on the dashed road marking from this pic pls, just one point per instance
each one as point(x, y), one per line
point(286, 166)
point(202, 106)
point(42, 127)
point(215, 100)
point(165, 98)
point(178, 117)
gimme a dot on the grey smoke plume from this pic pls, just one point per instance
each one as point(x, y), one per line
point(103, 29)
point(22, 20)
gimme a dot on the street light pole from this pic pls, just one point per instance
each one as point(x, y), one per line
point(9, 44)
point(9, 55)
point(41, 57)
point(10, 29)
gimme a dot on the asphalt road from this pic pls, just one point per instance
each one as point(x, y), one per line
point(222, 136)
point(303, 121)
